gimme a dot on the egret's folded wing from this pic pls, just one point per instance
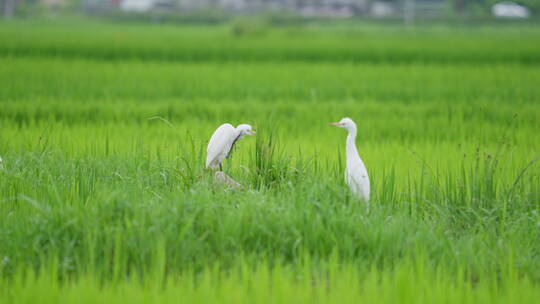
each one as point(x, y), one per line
point(360, 180)
point(220, 142)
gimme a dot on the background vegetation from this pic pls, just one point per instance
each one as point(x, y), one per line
point(104, 196)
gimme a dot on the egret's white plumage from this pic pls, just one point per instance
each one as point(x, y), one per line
point(222, 142)
point(356, 173)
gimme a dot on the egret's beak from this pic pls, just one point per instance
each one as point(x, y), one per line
point(334, 124)
point(253, 132)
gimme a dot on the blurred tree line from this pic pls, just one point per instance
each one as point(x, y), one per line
point(34, 7)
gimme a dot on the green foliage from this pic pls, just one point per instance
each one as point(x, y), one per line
point(103, 191)
point(409, 282)
point(330, 43)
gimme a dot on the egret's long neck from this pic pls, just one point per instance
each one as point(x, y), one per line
point(237, 136)
point(237, 133)
point(352, 152)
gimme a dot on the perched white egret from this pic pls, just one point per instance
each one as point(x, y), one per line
point(356, 173)
point(222, 142)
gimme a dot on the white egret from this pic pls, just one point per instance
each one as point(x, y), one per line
point(222, 142)
point(356, 173)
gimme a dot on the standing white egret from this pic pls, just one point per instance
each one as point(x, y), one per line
point(222, 142)
point(356, 173)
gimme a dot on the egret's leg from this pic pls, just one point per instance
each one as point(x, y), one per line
point(220, 167)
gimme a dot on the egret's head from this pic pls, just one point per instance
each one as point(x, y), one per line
point(345, 123)
point(244, 130)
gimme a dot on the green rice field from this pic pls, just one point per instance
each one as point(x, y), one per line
point(104, 197)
